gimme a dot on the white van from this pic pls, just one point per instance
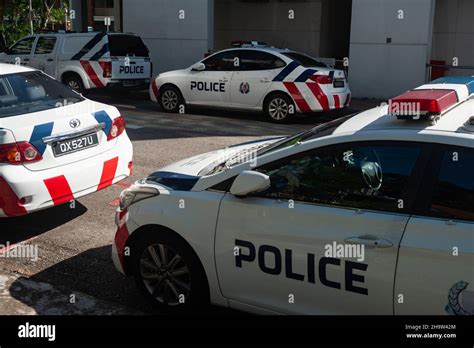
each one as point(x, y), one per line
point(85, 60)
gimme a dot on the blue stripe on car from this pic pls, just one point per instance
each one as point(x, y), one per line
point(305, 75)
point(101, 52)
point(39, 132)
point(286, 71)
point(468, 81)
point(88, 46)
point(104, 117)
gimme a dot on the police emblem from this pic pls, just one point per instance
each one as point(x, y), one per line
point(244, 88)
point(454, 306)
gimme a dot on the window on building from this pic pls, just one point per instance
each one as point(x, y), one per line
point(104, 3)
point(453, 194)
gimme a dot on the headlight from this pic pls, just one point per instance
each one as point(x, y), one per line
point(135, 194)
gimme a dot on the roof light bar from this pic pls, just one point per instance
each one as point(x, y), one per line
point(433, 99)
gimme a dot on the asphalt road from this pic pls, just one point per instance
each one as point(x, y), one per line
point(75, 244)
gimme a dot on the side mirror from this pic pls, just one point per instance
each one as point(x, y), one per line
point(198, 67)
point(249, 182)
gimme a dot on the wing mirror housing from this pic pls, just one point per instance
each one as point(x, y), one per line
point(249, 182)
point(198, 67)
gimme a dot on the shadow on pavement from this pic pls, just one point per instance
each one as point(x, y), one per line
point(92, 273)
point(18, 229)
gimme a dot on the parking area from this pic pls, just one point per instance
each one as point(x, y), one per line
point(74, 273)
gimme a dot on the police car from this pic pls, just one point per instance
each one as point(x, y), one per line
point(55, 145)
point(371, 213)
point(85, 60)
point(278, 81)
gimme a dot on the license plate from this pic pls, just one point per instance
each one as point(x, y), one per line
point(68, 146)
point(339, 83)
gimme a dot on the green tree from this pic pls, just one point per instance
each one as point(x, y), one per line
point(16, 23)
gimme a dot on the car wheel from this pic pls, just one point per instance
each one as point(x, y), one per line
point(74, 82)
point(171, 99)
point(169, 273)
point(279, 108)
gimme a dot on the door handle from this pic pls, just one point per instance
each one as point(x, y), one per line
point(50, 60)
point(265, 80)
point(369, 241)
point(224, 80)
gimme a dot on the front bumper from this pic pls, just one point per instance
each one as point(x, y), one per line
point(23, 191)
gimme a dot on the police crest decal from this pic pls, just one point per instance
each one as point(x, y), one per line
point(244, 88)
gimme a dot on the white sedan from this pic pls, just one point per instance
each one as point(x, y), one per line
point(367, 214)
point(278, 82)
point(55, 145)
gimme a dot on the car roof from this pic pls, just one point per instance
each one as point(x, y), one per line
point(13, 69)
point(378, 119)
point(259, 48)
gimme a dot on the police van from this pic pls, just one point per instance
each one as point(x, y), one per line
point(85, 60)
point(372, 213)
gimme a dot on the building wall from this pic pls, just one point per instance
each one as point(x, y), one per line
point(268, 21)
point(453, 34)
point(174, 43)
point(378, 69)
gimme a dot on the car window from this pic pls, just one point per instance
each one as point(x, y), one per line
point(28, 92)
point(304, 60)
point(23, 46)
point(224, 61)
point(453, 194)
point(257, 60)
point(127, 45)
point(45, 45)
point(365, 176)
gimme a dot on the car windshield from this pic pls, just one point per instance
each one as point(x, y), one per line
point(304, 60)
point(28, 92)
point(245, 155)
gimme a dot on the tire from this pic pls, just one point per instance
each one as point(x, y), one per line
point(74, 82)
point(278, 108)
point(175, 293)
point(170, 99)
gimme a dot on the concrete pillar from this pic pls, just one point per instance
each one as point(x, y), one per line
point(390, 46)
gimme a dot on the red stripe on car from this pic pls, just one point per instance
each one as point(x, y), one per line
point(9, 202)
point(121, 237)
point(154, 88)
point(319, 94)
point(59, 189)
point(91, 73)
point(297, 96)
point(337, 102)
point(108, 173)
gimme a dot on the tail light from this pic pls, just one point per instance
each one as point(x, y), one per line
point(106, 68)
point(19, 153)
point(117, 128)
point(322, 79)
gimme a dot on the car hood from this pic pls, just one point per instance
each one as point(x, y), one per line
point(201, 165)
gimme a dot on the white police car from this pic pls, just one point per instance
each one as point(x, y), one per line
point(367, 214)
point(55, 145)
point(278, 81)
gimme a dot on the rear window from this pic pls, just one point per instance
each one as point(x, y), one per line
point(304, 60)
point(127, 45)
point(34, 91)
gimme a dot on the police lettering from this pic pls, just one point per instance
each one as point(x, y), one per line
point(270, 260)
point(208, 86)
point(130, 69)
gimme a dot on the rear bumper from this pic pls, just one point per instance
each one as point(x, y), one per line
point(141, 84)
point(23, 191)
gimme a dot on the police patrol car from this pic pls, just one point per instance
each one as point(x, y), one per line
point(253, 232)
point(55, 145)
point(86, 60)
point(278, 81)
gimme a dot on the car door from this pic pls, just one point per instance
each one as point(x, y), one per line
point(324, 238)
point(435, 273)
point(212, 85)
point(20, 52)
point(253, 78)
point(44, 54)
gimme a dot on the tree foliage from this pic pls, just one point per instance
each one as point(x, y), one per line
point(16, 23)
